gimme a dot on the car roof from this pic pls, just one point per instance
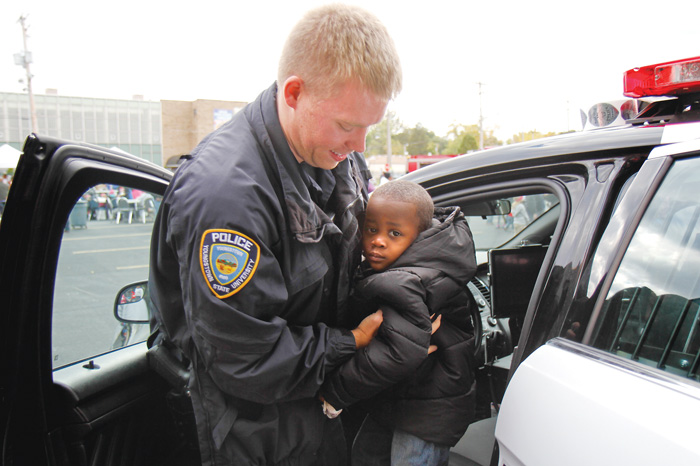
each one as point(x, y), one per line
point(563, 148)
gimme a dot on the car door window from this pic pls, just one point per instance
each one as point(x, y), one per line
point(651, 313)
point(105, 246)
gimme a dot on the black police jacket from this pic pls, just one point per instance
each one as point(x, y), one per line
point(430, 396)
point(248, 273)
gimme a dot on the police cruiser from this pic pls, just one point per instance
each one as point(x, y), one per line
point(589, 282)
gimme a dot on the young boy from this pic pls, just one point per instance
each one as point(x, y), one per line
point(417, 262)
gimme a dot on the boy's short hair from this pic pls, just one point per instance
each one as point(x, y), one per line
point(335, 43)
point(410, 192)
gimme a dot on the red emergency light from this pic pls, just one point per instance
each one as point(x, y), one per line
point(664, 79)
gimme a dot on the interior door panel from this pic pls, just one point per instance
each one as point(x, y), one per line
point(76, 395)
point(111, 410)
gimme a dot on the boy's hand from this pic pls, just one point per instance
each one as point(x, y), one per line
point(367, 329)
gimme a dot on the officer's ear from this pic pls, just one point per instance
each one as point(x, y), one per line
point(292, 89)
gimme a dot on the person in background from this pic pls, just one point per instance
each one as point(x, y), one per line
point(92, 205)
point(386, 175)
point(520, 216)
point(256, 240)
point(418, 261)
point(4, 190)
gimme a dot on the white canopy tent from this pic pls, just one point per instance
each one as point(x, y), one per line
point(9, 156)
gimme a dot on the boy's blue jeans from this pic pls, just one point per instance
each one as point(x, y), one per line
point(375, 445)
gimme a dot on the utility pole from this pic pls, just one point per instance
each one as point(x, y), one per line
point(388, 140)
point(481, 120)
point(24, 59)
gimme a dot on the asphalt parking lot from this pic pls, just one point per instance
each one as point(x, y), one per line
point(94, 264)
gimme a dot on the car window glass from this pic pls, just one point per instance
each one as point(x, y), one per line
point(652, 313)
point(494, 231)
point(105, 246)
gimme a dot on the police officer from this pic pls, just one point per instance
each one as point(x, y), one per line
point(256, 239)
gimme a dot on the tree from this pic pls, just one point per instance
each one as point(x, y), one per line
point(420, 140)
point(463, 139)
point(528, 136)
point(490, 140)
point(461, 144)
point(375, 140)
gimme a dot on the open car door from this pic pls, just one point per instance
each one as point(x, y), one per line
point(76, 386)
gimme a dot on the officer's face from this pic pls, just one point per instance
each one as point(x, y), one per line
point(389, 229)
point(323, 130)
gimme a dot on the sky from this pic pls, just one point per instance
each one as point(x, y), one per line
point(520, 65)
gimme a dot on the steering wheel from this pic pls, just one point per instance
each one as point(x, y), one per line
point(475, 315)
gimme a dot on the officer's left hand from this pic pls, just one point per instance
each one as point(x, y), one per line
point(435, 325)
point(367, 329)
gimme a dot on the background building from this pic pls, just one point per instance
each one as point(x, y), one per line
point(156, 131)
point(131, 125)
point(187, 123)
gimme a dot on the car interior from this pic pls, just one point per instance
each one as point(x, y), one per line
point(506, 276)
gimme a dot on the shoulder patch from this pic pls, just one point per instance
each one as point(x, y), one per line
point(229, 260)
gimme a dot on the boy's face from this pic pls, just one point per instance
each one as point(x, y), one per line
point(389, 229)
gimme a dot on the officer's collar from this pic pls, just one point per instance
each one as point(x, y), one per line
point(320, 183)
point(307, 221)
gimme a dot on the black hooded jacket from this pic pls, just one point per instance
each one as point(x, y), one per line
point(429, 396)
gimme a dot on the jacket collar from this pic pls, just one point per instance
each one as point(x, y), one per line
point(308, 223)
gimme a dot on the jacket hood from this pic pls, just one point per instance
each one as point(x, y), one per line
point(437, 246)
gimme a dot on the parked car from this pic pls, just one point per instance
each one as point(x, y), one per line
point(590, 310)
point(588, 290)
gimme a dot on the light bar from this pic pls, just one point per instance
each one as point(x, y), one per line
point(665, 79)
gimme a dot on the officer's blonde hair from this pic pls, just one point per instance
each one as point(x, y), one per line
point(335, 43)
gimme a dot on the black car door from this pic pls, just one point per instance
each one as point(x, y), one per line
point(75, 383)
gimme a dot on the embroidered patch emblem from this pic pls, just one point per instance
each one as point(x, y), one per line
point(228, 260)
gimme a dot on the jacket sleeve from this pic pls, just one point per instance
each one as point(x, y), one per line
point(400, 346)
point(284, 363)
point(245, 341)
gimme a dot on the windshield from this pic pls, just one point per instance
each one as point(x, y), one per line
point(493, 231)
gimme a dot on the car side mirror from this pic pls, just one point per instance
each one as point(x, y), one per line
point(132, 305)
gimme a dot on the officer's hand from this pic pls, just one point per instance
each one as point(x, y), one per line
point(367, 329)
point(435, 325)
